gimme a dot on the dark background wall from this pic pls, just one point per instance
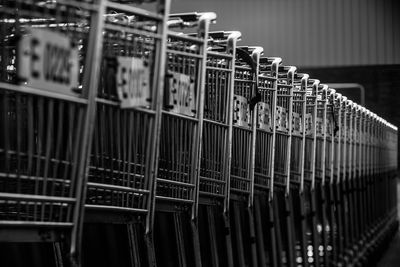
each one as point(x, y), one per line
point(381, 83)
point(335, 41)
point(312, 32)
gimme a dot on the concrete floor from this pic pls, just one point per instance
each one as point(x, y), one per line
point(391, 258)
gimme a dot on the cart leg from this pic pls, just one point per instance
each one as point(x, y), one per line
point(252, 236)
point(196, 243)
point(212, 235)
point(290, 228)
point(58, 254)
point(272, 232)
point(303, 217)
point(278, 232)
point(228, 240)
point(133, 248)
point(314, 223)
point(334, 226)
point(239, 238)
point(260, 233)
point(324, 223)
point(151, 254)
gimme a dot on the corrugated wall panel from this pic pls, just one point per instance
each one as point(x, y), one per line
point(312, 32)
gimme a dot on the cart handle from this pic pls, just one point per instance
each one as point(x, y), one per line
point(303, 77)
point(244, 54)
point(226, 37)
point(191, 19)
point(324, 87)
point(332, 96)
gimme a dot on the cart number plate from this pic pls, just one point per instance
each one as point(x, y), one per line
point(264, 116)
point(47, 60)
point(133, 82)
point(309, 124)
point(181, 95)
point(320, 126)
point(281, 119)
point(296, 122)
point(241, 111)
point(329, 124)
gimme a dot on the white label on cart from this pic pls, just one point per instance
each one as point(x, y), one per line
point(281, 119)
point(296, 123)
point(308, 124)
point(264, 116)
point(133, 82)
point(181, 95)
point(320, 126)
point(47, 60)
point(241, 111)
point(329, 124)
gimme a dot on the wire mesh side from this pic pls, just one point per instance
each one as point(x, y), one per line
point(120, 171)
point(282, 145)
point(242, 127)
point(264, 135)
point(309, 159)
point(321, 147)
point(42, 125)
point(296, 154)
point(179, 124)
point(215, 147)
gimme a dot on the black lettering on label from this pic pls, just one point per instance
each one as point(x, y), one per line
point(56, 67)
point(34, 58)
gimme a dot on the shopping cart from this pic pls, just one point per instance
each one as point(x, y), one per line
point(300, 127)
point(264, 161)
point(297, 166)
point(121, 169)
point(342, 182)
point(307, 187)
point(334, 169)
point(349, 182)
point(321, 184)
point(215, 244)
point(180, 141)
point(283, 204)
point(355, 182)
point(363, 178)
point(47, 77)
point(245, 98)
point(330, 129)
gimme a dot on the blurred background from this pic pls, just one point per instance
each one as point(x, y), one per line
point(336, 41)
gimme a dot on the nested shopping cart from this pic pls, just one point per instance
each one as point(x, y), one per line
point(47, 78)
point(121, 169)
point(356, 182)
point(330, 129)
point(334, 196)
point(338, 145)
point(356, 177)
point(307, 187)
point(297, 204)
point(176, 192)
point(213, 210)
point(245, 98)
point(321, 183)
point(300, 126)
point(264, 158)
point(349, 182)
point(342, 182)
point(282, 202)
point(364, 175)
